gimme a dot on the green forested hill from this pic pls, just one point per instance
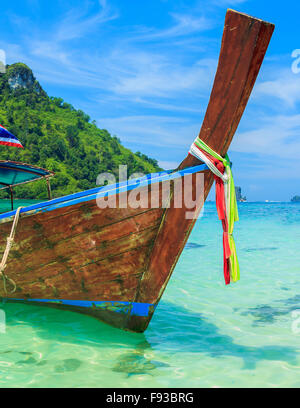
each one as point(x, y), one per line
point(58, 137)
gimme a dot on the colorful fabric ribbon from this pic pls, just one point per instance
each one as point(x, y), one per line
point(225, 202)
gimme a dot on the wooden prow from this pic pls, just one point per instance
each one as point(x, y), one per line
point(244, 44)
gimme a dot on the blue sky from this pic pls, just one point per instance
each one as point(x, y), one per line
point(144, 71)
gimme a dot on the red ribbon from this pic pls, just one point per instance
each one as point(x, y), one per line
point(221, 209)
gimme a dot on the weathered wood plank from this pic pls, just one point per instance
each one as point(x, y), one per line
point(111, 248)
point(39, 250)
point(111, 279)
point(77, 255)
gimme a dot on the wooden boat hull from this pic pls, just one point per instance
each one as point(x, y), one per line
point(115, 263)
point(71, 254)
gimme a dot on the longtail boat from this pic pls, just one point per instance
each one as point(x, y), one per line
point(114, 263)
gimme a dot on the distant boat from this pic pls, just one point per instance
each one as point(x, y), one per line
point(114, 263)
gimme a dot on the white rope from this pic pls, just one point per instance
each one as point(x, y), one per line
point(10, 241)
point(201, 156)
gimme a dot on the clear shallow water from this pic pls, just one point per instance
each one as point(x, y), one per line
point(203, 334)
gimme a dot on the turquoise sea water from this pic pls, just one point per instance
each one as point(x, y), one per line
point(203, 333)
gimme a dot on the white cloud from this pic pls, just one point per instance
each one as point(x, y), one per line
point(185, 24)
point(76, 23)
point(276, 136)
point(285, 87)
point(51, 42)
point(159, 131)
point(120, 67)
point(165, 106)
point(149, 74)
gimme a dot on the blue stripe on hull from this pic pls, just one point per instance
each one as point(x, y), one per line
point(105, 191)
point(135, 308)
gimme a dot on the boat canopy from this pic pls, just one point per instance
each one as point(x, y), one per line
point(16, 173)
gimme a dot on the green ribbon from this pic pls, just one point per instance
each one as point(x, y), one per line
point(231, 207)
